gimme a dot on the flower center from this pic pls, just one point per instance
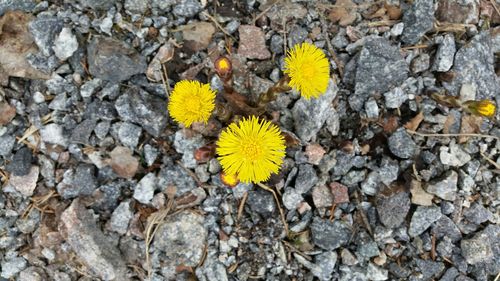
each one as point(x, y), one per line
point(251, 150)
point(193, 105)
point(308, 71)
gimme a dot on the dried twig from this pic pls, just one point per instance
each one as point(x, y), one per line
point(218, 25)
point(265, 11)
point(451, 135)
point(339, 64)
point(489, 160)
point(282, 214)
point(242, 205)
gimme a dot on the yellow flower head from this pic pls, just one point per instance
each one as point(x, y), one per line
point(308, 69)
point(252, 149)
point(484, 108)
point(190, 102)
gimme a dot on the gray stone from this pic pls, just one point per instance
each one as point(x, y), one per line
point(401, 144)
point(97, 4)
point(96, 250)
point(129, 134)
point(54, 134)
point(81, 133)
point(176, 176)
point(380, 68)
point(150, 154)
point(101, 129)
point(329, 235)
point(78, 182)
point(392, 210)
point(477, 249)
point(144, 109)
point(12, 267)
point(324, 265)
point(445, 227)
point(291, 198)
point(418, 19)
point(276, 45)
point(136, 6)
point(445, 54)
point(477, 213)
point(212, 270)
point(182, 237)
point(430, 269)
point(450, 274)
point(65, 44)
point(60, 102)
point(420, 63)
point(306, 178)
point(422, 218)
point(25, 184)
point(395, 98)
point(456, 156)
point(44, 30)
point(388, 171)
point(121, 217)
point(474, 64)
point(113, 60)
point(297, 35)
point(445, 188)
point(377, 273)
point(21, 162)
point(13, 5)
point(261, 202)
point(145, 188)
point(187, 8)
point(7, 142)
point(310, 115)
point(371, 108)
point(185, 143)
point(88, 89)
point(367, 248)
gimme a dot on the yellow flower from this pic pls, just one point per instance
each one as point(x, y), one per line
point(190, 102)
point(484, 108)
point(252, 149)
point(308, 69)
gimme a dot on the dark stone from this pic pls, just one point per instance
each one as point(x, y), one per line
point(113, 60)
point(306, 178)
point(261, 202)
point(21, 162)
point(380, 68)
point(329, 235)
point(78, 182)
point(445, 227)
point(477, 213)
point(392, 210)
point(140, 107)
point(13, 5)
point(402, 145)
point(430, 269)
point(475, 64)
point(176, 176)
point(82, 131)
point(418, 19)
point(44, 29)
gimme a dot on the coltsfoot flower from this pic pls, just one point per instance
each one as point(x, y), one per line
point(191, 101)
point(251, 149)
point(484, 108)
point(308, 69)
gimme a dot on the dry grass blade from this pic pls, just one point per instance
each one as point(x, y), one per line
point(490, 160)
point(218, 25)
point(451, 27)
point(39, 203)
point(451, 135)
point(154, 221)
point(242, 205)
point(282, 214)
point(32, 129)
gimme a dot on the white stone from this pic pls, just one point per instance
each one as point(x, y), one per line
point(65, 44)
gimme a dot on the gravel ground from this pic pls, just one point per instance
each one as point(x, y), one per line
point(382, 181)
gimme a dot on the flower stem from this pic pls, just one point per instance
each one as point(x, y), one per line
point(272, 92)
